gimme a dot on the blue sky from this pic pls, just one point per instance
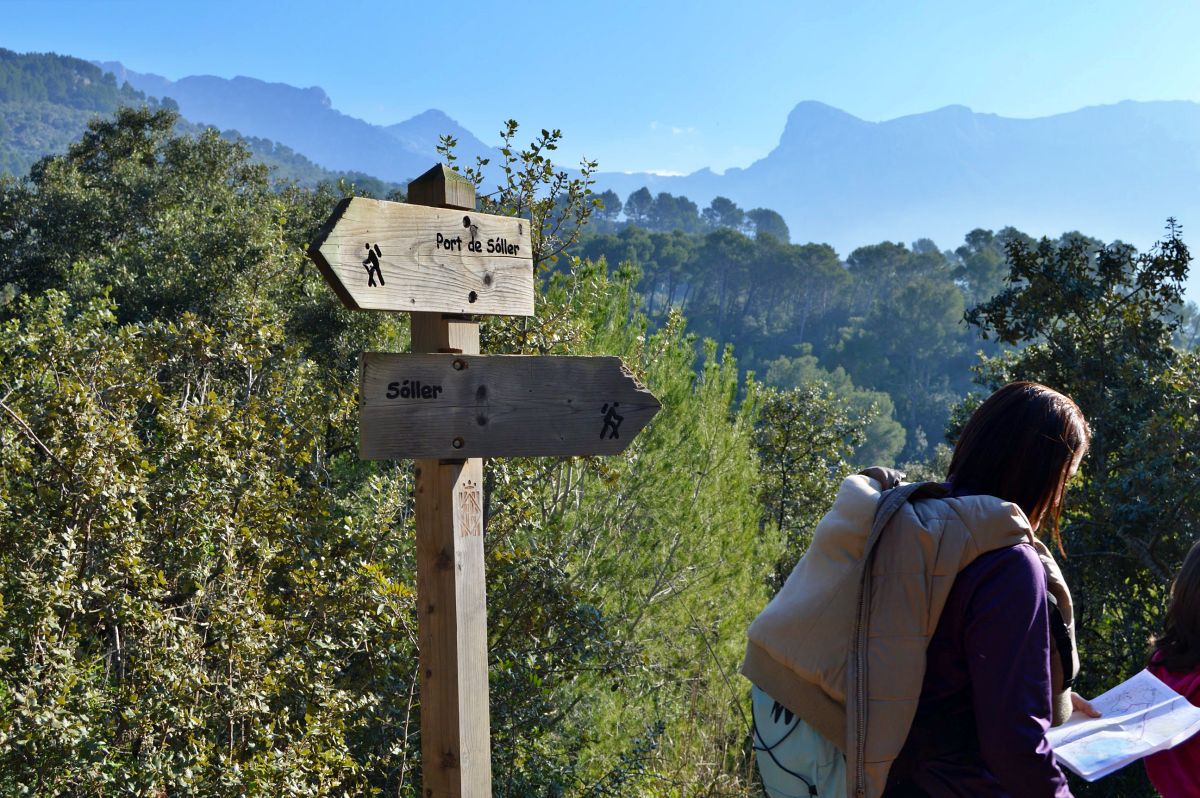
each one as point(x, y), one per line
point(661, 86)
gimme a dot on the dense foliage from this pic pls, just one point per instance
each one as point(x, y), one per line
point(204, 591)
point(46, 101)
point(60, 80)
point(884, 325)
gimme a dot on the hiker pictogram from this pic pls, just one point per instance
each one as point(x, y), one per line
point(612, 421)
point(371, 264)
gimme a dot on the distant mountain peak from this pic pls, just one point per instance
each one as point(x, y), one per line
point(812, 114)
point(953, 109)
point(433, 116)
point(430, 123)
point(811, 121)
point(808, 110)
point(423, 132)
point(260, 90)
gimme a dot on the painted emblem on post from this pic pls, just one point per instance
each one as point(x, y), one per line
point(468, 502)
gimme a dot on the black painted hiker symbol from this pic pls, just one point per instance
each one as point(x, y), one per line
point(612, 421)
point(371, 264)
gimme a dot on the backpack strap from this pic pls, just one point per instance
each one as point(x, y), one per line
point(1063, 642)
point(856, 700)
point(1064, 653)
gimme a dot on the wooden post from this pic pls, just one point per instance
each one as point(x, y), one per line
point(451, 596)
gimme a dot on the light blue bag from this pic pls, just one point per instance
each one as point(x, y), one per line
point(794, 761)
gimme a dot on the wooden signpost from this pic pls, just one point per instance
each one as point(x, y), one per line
point(447, 406)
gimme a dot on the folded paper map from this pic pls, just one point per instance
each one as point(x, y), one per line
point(1139, 717)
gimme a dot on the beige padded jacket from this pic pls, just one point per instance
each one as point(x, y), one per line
point(799, 647)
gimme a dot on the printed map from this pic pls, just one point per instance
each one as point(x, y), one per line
point(1139, 717)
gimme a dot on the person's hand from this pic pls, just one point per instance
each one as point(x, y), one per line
point(887, 478)
point(1081, 704)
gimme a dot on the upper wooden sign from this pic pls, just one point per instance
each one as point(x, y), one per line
point(457, 406)
point(380, 255)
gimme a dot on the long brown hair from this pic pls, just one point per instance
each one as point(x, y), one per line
point(1178, 647)
point(1020, 445)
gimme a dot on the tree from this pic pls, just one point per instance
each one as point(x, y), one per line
point(557, 202)
point(637, 207)
point(911, 344)
point(813, 281)
point(608, 211)
point(724, 262)
point(874, 268)
point(982, 264)
point(1187, 337)
point(132, 230)
point(672, 252)
point(907, 336)
point(804, 437)
point(768, 222)
point(644, 542)
point(724, 212)
point(182, 612)
point(872, 412)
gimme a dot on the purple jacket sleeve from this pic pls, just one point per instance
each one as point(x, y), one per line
point(1007, 645)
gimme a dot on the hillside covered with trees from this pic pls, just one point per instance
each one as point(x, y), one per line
point(204, 591)
point(47, 100)
point(884, 324)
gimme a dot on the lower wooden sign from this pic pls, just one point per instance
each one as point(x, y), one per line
point(458, 406)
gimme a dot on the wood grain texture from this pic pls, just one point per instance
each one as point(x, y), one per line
point(452, 630)
point(451, 595)
point(442, 187)
point(433, 332)
point(380, 255)
point(423, 406)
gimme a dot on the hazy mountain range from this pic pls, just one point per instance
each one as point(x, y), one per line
point(305, 120)
point(1114, 171)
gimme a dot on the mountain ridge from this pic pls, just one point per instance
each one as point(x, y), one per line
point(305, 120)
point(47, 101)
point(1116, 171)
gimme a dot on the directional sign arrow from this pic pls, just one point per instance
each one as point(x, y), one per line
point(393, 256)
point(456, 406)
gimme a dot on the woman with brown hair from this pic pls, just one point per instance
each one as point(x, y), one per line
point(1175, 660)
point(911, 647)
point(989, 692)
